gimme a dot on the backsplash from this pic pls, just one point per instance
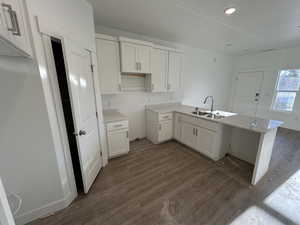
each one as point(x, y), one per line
point(133, 105)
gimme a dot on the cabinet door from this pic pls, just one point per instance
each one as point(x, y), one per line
point(109, 67)
point(165, 130)
point(177, 127)
point(159, 65)
point(15, 20)
point(129, 58)
point(144, 59)
point(204, 140)
point(118, 142)
point(174, 76)
point(188, 135)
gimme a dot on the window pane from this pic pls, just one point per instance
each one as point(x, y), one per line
point(285, 101)
point(289, 80)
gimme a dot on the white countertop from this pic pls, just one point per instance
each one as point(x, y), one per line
point(113, 115)
point(246, 122)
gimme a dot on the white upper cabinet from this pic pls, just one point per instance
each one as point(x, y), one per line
point(129, 58)
point(159, 70)
point(108, 64)
point(13, 29)
point(120, 58)
point(135, 56)
point(144, 58)
point(175, 68)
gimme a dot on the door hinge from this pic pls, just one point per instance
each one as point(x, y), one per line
point(92, 68)
point(97, 114)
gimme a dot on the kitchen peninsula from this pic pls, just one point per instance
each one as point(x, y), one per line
point(248, 138)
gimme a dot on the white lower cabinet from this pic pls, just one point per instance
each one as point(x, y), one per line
point(188, 136)
point(117, 138)
point(207, 137)
point(204, 136)
point(159, 126)
point(165, 130)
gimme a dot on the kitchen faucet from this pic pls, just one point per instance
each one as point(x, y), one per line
point(212, 102)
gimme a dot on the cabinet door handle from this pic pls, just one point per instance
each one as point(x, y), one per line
point(152, 87)
point(17, 31)
point(137, 66)
point(127, 134)
point(169, 86)
point(159, 126)
point(140, 66)
point(196, 132)
point(11, 15)
point(193, 131)
point(120, 87)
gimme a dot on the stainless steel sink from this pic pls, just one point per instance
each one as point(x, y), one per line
point(208, 115)
point(200, 113)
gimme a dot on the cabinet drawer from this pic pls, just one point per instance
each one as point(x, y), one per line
point(165, 116)
point(117, 125)
point(200, 122)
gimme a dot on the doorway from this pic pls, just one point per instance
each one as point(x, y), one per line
point(60, 66)
point(248, 93)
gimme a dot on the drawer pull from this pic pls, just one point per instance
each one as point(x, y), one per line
point(118, 125)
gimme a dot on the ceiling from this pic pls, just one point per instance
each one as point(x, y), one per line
point(257, 25)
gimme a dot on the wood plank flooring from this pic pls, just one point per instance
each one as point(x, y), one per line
point(169, 184)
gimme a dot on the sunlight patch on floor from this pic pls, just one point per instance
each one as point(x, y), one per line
point(286, 199)
point(256, 216)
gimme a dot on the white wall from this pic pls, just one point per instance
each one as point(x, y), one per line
point(206, 73)
point(32, 157)
point(28, 163)
point(201, 76)
point(271, 63)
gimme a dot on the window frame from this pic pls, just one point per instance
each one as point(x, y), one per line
point(276, 91)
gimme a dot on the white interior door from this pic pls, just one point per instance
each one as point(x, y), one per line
point(83, 102)
point(247, 92)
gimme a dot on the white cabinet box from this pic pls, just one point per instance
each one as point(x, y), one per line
point(117, 138)
point(160, 67)
point(14, 32)
point(108, 64)
point(206, 137)
point(174, 74)
point(135, 56)
point(159, 126)
point(166, 70)
point(117, 132)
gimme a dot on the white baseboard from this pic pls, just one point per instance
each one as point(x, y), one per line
point(45, 210)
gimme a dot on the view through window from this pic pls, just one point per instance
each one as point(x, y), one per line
point(286, 91)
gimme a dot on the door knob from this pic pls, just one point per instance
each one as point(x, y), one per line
point(82, 132)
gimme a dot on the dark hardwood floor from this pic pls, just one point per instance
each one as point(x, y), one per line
point(169, 184)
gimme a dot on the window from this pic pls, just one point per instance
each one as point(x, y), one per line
point(286, 91)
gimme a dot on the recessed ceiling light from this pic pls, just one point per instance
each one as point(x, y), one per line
point(230, 11)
